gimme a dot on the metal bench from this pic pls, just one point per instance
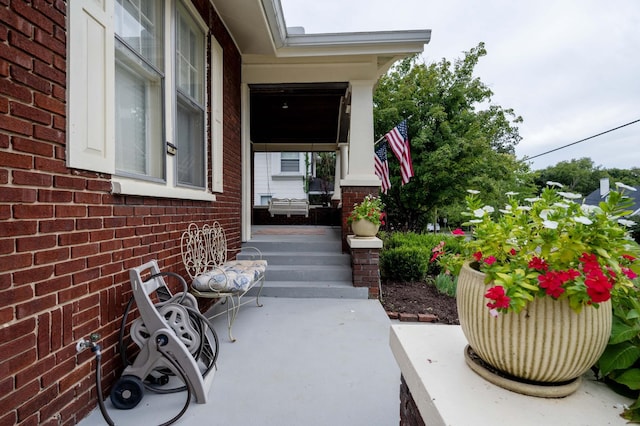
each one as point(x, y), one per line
point(204, 255)
point(289, 206)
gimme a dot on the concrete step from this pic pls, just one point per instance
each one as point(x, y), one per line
point(309, 265)
point(306, 258)
point(316, 289)
point(308, 273)
point(296, 245)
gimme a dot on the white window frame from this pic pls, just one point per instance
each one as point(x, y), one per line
point(90, 106)
point(291, 173)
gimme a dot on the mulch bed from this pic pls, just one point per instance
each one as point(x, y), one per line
point(418, 301)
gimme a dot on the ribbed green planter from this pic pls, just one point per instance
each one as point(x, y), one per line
point(547, 342)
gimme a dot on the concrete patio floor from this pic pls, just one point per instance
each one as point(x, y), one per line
point(324, 362)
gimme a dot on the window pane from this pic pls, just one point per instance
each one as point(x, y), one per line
point(190, 110)
point(190, 56)
point(138, 117)
point(190, 143)
point(289, 162)
point(139, 23)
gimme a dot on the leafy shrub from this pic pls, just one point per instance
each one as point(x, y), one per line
point(446, 284)
point(620, 362)
point(406, 255)
point(404, 263)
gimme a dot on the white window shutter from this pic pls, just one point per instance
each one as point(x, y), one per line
point(90, 85)
point(217, 113)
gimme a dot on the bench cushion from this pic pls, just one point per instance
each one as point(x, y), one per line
point(235, 276)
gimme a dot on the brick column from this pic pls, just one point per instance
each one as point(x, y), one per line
point(365, 263)
point(409, 414)
point(350, 196)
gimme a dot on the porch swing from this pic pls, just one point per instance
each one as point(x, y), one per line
point(284, 206)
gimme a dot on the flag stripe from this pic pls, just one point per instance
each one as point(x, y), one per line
point(398, 138)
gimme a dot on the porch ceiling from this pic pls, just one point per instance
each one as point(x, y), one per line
point(299, 116)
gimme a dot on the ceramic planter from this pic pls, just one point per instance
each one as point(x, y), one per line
point(364, 228)
point(546, 343)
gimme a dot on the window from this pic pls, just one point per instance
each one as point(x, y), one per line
point(121, 116)
point(265, 199)
point(289, 162)
point(190, 100)
point(139, 89)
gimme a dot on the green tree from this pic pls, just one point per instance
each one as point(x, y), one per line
point(626, 176)
point(455, 145)
point(580, 176)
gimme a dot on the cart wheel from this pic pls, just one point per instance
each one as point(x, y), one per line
point(127, 392)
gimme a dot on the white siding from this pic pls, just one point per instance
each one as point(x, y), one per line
point(268, 180)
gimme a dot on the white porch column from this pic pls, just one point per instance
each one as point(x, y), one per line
point(344, 159)
point(361, 169)
point(342, 156)
point(245, 152)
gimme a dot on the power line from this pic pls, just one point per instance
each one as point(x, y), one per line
point(582, 140)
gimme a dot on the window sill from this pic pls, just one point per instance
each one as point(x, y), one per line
point(285, 175)
point(122, 186)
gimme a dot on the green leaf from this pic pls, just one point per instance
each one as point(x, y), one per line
point(621, 332)
point(630, 378)
point(602, 252)
point(620, 356)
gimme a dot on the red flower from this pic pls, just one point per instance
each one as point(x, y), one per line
point(383, 215)
point(512, 252)
point(500, 299)
point(477, 256)
point(629, 273)
point(538, 264)
point(490, 260)
point(552, 283)
point(598, 287)
point(629, 257)
point(457, 232)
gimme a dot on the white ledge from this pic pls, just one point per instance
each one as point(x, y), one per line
point(364, 242)
point(447, 392)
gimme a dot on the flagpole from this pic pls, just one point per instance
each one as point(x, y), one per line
point(378, 141)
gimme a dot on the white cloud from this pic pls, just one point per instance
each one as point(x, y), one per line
point(570, 68)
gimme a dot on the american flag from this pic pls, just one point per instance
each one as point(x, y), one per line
point(382, 166)
point(398, 139)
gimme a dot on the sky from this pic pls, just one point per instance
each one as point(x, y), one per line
point(569, 68)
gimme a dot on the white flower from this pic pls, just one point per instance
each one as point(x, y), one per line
point(622, 185)
point(511, 193)
point(503, 211)
point(563, 205)
point(550, 224)
point(475, 221)
point(524, 208)
point(479, 212)
point(494, 313)
point(532, 200)
point(586, 208)
point(552, 183)
point(488, 209)
point(472, 191)
point(582, 219)
point(544, 214)
point(626, 222)
point(570, 195)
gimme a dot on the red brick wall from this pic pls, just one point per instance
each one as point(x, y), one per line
point(66, 242)
point(365, 265)
point(409, 414)
point(350, 196)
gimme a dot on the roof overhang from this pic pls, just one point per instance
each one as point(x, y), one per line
point(307, 69)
